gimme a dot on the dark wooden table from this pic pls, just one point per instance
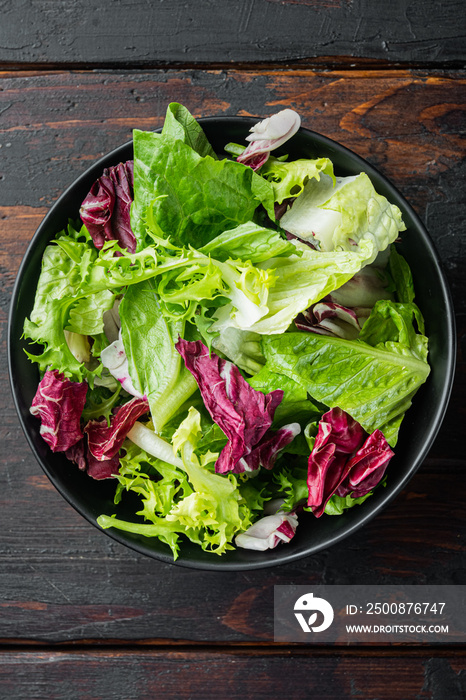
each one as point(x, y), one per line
point(80, 615)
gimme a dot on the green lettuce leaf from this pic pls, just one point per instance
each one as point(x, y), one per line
point(373, 383)
point(249, 242)
point(339, 216)
point(156, 368)
point(61, 304)
point(189, 500)
point(100, 402)
point(295, 404)
point(181, 125)
point(400, 273)
point(292, 486)
point(288, 178)
point(86, 316)
point(338, 504)
point(300, 280)
point(215, 504)
point(192, 198)
point(243, 348)
point(391, 326)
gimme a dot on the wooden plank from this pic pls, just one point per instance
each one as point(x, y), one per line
point(115, 674)
point(141, 33)
point(62, 580)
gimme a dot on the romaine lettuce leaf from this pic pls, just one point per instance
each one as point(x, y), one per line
point(243, 348)
point(373, 383)
point(249, 242)
point(401, 275)
point(391, 326)
point(181, 125)
point(155, 367)
point(295, 403)
point(192, 198)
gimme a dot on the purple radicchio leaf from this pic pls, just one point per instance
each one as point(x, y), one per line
point(368, 286)
point(254, 160)
point(265, 453)
point(343, 312)
point(367, 467)
point(114, 358)
point(105, 440)
point(106, 209)
point(243, 413)
point(328, 318)
point(97, 469)
point(268, 532)
point(59, 403)
point(267, 135)
point(344, 460)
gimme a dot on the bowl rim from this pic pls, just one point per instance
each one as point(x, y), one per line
point(286, 556)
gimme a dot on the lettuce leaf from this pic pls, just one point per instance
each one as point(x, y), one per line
point(374, 382)
point(188, 499)
point(299, 281)
point(391, 326)
point(292, 485)
point(295, 404)
point(181, 125)
point(243, 348)
point(249, 242)
point(340, 215)
point(401, 276)
point(288, 178)
point(192, 198)
point(155, 367)
point(215, 504)
point(61, 304)
point(338, 504)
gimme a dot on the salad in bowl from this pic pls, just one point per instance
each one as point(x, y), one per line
point(230, 342)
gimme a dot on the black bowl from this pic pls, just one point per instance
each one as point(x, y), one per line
point(419, 428)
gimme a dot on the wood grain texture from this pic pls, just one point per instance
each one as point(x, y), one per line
point(161, 32)
point(62, 580)
point(112, 675)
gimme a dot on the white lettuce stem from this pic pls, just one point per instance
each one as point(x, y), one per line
point(147, 440)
